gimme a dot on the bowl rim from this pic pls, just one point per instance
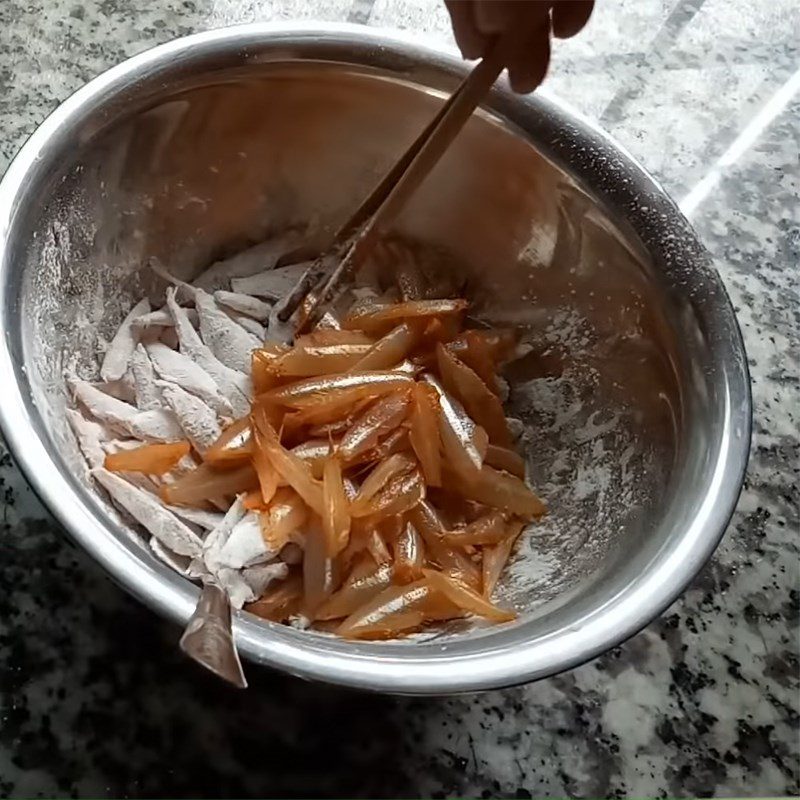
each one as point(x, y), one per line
point(287, 649)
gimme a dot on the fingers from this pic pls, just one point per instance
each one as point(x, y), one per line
point(526, 25)
point(527, 64)
point(494, 17)
point(569, 16)
point(469, 39)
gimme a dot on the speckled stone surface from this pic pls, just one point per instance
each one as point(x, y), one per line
point(94, 699)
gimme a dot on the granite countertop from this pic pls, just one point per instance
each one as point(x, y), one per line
point(94, 698)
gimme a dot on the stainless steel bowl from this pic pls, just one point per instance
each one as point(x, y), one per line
point(635, 395)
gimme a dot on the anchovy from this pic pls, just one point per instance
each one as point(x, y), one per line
point(198, 420)
point(117, 445)
point(90, 436)
point(218, 536)
point(183, 565)
point(120, 350)
point(122, 389)
point(148, 483)
point(148, 511)
point(378, 419)
point(207, 520)
point(158, 424)
point(259, 577)
point(305, 392)
point(162, 318)
point(262, 256)
point(103, 406)
point(147, 393)
point(249, 324)
point(274, 284)
point(244, 304)
point(229, 342)
point(155, 425)
point(177, 368)
point(236, 386)
point(245, 586)
point(458, 421)
point(245, 546)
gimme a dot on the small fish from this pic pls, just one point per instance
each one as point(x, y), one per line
point(122, 389)
point(103, 406)
point(235, 386)
point(245, 546)
point(280, 329)
point(220, 533)
point(262, 256)
point(162, 318)
point(262, 575)
point(198, 420)
point(244, 304)
point(177, 368)
point(148, 511)
point(249, 324)
point(183, 565)
point(457, 421)
point(90, 436)
point(358, 385)
point(245, 586)
point(228, 341)
point(234, 585)
point(119, 445)
point(147, 393)
point(120, 350)
point(148, 482)
point(155, 425)
point(274, 284)
point(377, 420)
point(207, 520)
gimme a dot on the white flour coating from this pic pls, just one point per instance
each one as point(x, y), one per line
point(199, 421)
point(120, 348)
point(179, 369)
point(244, 304)
point(588, 455)
point(249, 324)
point(148, 511)
point(148, 395)
point(228, 340)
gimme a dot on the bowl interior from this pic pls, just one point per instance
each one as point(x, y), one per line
point(195, 164)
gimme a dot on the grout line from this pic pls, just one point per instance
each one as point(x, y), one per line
point(680, 16)
point(361, 11)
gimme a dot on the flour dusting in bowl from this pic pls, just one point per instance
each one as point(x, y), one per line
point(366, 467)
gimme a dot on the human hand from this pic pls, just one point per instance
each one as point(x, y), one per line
point(528, 26)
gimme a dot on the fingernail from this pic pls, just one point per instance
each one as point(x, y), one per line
point(523, 85)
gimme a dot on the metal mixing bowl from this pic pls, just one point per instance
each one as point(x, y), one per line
point(635, 394)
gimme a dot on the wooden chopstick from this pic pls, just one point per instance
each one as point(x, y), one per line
point(392, 193)
point(371, 204)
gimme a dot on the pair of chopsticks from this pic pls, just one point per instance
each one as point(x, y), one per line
point(371, 218)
